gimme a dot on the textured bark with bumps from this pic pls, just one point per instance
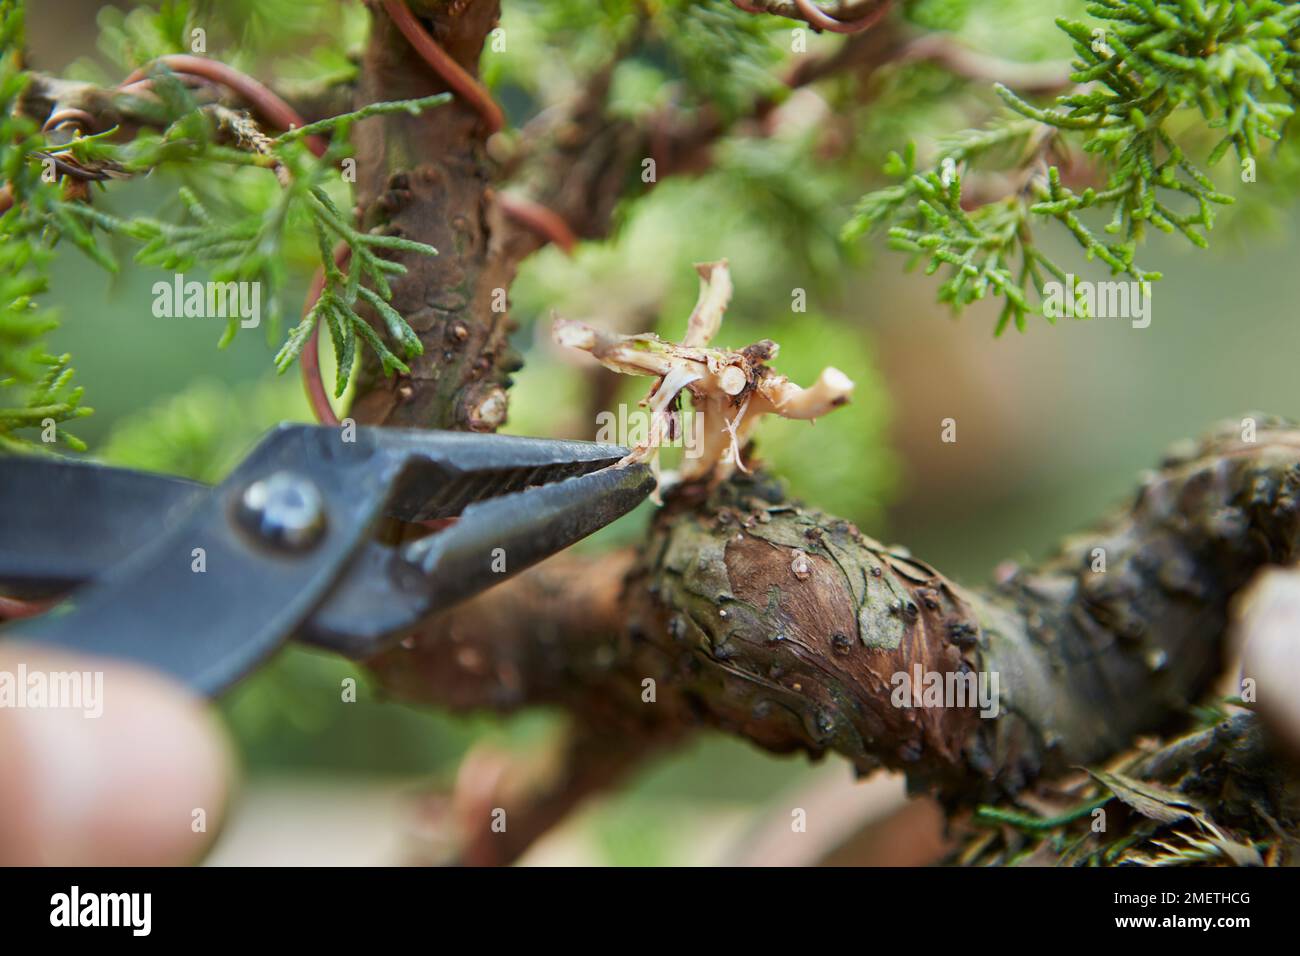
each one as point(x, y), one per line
point(787, 626)
point(428, 178)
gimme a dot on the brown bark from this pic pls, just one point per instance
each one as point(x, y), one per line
point(741, 633)
point(428, 178)
point(527, 796)
point(1222, 795)
point(1086, 659)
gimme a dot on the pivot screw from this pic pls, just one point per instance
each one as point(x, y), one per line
point(285, 510)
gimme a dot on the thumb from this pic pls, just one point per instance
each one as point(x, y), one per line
point(103, 763)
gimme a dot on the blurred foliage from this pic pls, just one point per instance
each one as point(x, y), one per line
point(241, 236)
point(1140, 68)
point(706, 52)
point(639, 832)
point(856, 472)
point(132, 37)
point(36, 391)
point(292, 715)
point(247, 32)
point(203, 432)
point(723, 54)
point(248, 247)
point(939, 14)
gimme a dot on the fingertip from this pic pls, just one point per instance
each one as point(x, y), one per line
point(103, 763)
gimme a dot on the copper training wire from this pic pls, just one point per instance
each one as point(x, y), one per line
point(263, 100)
point(309, 360)
point(453, 74)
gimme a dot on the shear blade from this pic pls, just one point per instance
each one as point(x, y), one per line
point(182, 585)
point(461, 468)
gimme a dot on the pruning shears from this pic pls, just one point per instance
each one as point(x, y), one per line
point(205, 583)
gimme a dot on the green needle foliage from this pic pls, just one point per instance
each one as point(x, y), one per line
point(1155, 83)
point(1154, 78)
point(337, 300)
point(245, 240)
point(250, 247)
point(725, 55)
point(36, 393)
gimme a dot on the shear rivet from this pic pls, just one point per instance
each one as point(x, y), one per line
point(285, 510)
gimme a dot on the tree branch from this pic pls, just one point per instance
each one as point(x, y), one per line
point(804, 654)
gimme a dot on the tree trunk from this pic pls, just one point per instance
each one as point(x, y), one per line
point(427, 178)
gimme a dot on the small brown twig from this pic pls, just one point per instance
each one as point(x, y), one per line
point(816, 17)
point(547, 223)
point(13, 609)
point(960, 60)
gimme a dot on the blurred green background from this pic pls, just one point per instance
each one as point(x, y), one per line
point(1053, 424)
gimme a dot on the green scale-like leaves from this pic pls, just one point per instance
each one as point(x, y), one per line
point(1143, 70)
point(243, 236)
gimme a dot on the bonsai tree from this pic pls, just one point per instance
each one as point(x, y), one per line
point(435, 162)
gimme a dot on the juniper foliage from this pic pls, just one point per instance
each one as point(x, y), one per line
point(36, 391)
point(245, 241)
point(1154, 80)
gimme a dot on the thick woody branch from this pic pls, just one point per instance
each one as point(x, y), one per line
point(744, 611)
point(791, 628)
point(1111, 638)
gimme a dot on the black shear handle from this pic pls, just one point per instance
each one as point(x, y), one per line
point(209, 598)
